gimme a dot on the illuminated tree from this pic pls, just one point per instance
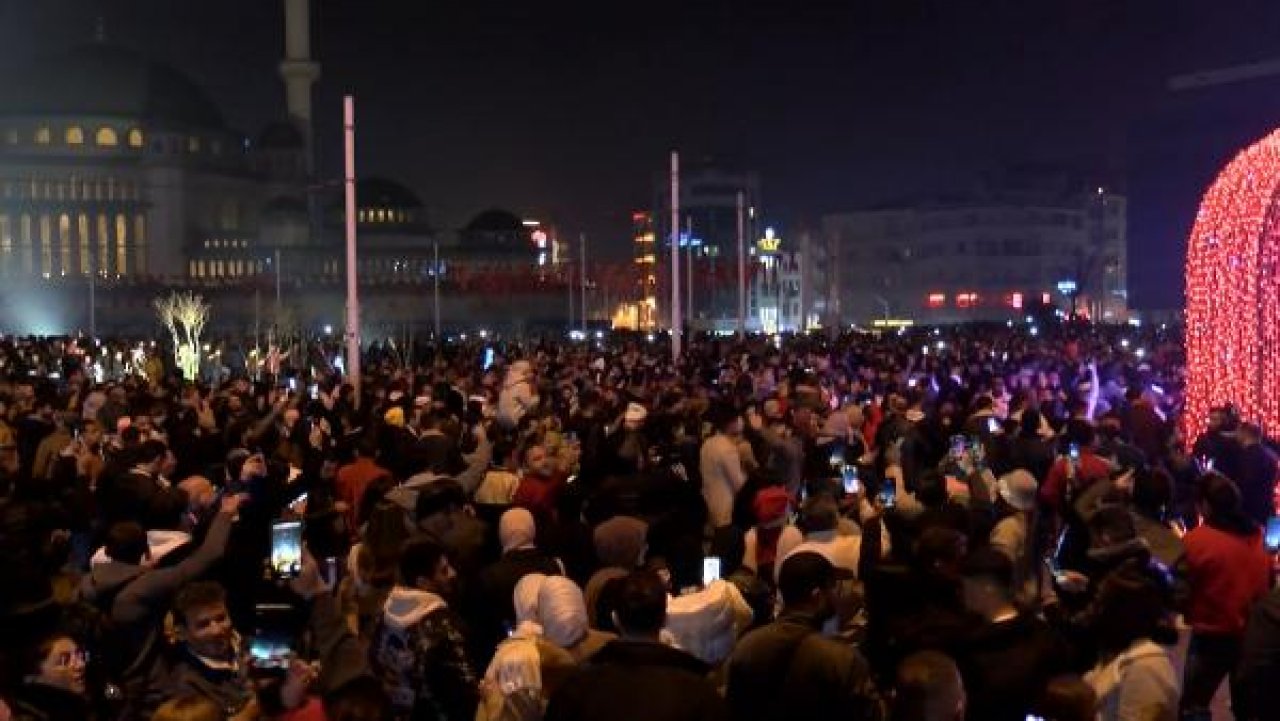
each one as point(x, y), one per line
point(185, 315)
point(1233, 293)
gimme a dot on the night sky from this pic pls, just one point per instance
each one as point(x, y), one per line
point(566, 110)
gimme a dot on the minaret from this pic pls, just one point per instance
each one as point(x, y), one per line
point(298, 70)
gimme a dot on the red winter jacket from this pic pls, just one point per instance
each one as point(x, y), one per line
point(1227, 573)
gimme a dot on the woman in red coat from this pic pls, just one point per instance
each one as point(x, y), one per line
point(1224, 572)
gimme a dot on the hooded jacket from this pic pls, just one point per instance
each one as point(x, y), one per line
point(419, 653)
point(136, 598)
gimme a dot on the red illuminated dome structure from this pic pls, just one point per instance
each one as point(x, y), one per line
point(1233, 293)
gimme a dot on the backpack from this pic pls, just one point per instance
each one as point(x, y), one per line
point(122, 661)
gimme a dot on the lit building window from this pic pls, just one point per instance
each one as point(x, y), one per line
point(64, 243)
point(122, 245)
point(11, 136)
point(966, 300)
point(25, 224)
point(193, 144)
point(75, 135)
point(135, 138)
point(6, 246)
point(1046, 299)
point(104, 245)
point(936, 300)
point(1015, 301)
point(140, 243)
point(43, 136)
point(82, 236)
point(46, 246)
point(106, 137)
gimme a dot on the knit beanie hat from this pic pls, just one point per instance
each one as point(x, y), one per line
point(620, 541)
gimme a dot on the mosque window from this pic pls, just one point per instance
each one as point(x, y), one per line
point(75, 135)
point(140, 242)
point(193, 144)
point(82, 233)
point(43, 135)
point(104, 245)
point(122, 245)
point(6, 246)
point(11, 136)
point(46, 246)
point(64, 243)
point(135, 138)
point(106, 137)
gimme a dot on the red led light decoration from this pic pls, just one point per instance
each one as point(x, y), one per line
point(1233, 293)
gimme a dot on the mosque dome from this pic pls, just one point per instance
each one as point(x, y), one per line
point(102, 80)
point(383, 193)
point(495, 221)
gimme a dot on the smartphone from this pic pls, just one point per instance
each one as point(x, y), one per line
point(292, 385)
point(314, 391)
point(710, 570)
point(271, 645)
point(849, 475)
point(837, 458)
point(487, 362)
point(888, 496)
point(959, 444)
point(269, 652)
point(1073, 452)
point(993, 425)
point(286, 549)
point(332, 571)
point(1272, 537)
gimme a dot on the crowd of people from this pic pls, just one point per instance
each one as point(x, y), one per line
point(978, 522)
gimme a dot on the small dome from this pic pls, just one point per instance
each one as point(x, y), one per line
point(104, 80)
point(383, 193)
point(496, 220)
point(281, 136)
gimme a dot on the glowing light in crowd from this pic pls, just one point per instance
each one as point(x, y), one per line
point(1233, 294)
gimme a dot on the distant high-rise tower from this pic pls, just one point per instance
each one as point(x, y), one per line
point(646, 263)
point(298, 70)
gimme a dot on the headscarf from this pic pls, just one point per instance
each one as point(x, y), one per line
point(562, 611)
point(516, 529)
point(525, 601)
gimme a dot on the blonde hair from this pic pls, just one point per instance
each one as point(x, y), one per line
point(188, 708)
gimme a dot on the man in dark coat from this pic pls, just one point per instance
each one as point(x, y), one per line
point(788, 669)
point(1008, 659)
point(1260, 660)
point(637, 678)
point(1257, 475)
